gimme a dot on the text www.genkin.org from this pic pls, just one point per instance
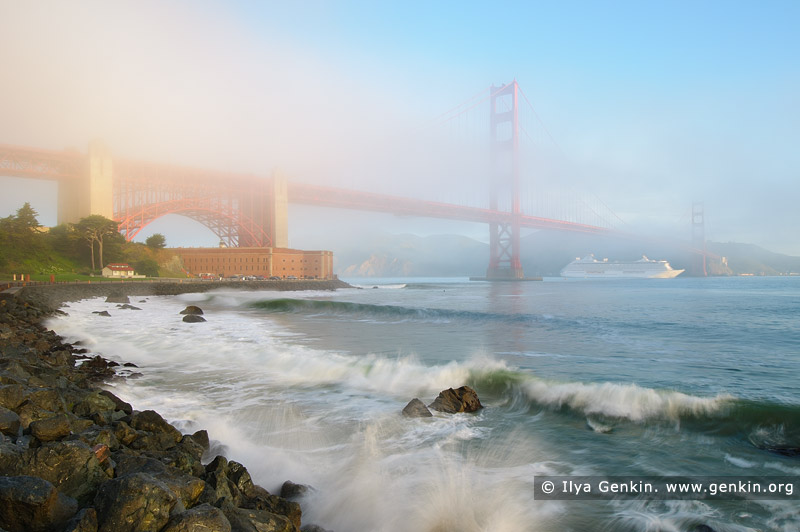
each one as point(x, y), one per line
point(576, 488)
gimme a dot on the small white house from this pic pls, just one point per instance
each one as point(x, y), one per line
point(118, 269)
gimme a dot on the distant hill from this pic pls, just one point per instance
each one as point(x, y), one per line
point(543, 253)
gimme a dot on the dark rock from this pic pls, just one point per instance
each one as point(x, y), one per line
point(30, 412)
point(192, 310)
point(102, 313)
point(416, 408)
point(201, 437)
point(130, 365)
point(152, 421)
point(313, 528)
point(12, 395)
point(702, 528)
point(193, 318)
point(128, 307)
point(117, 298)
point(30, 504)
point(50, 429)
point(84, 521)
point(94, 402)
point(187, 487)
point(134, 503)
point(199, 519)
point(9, 422)
point(290, 490)
point(453, 401)
point(119, 404)
point(249, 520)
point(72, 466)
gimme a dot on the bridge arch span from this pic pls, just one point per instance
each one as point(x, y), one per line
point(231, 226)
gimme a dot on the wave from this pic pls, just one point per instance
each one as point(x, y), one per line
point(366, 310)
point(767, 425)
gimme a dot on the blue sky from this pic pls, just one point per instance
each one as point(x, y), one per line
point(652, 104)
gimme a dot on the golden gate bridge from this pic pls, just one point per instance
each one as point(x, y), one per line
point(247, 210)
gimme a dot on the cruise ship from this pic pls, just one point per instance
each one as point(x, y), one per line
point(643, 268)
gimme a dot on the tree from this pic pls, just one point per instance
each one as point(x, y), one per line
point(26, 218)
point(147, 267)
point(156, 241)
point(95, 228)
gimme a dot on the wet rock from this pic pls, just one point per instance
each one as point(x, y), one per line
point(119, 404)
point(12, 395)
point(102, 313)
point(72, 466)
point(186, 487)
point(452, 401)
point(51, 429)
point(29, 413)
point(95, 402)
point(30, 504)
point(9, 422)
point(416, 408)
point(193, 318)
point(290, 490)
point(199, 519)
point(118, 298)
point(201, 438)
point(128, 307)
point(134, 503)
point(313, 528)
point(701, 528)
point(192, 310)
point(152, 421)
point(84, 521)
point(249, 520)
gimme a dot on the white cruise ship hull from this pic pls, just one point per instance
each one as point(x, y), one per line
point(589, 267)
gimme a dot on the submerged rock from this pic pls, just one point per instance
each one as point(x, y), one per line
point(290, 490)
point(416, 408)
point(102, 313)
point(192, 309)
point(193, 318)
point(128, 307)
point(453, 401)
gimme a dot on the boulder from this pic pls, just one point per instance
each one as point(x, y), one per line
point(30, 504)
point(72, 466)
point(134, 503)
point(51, 429)
point(312, 528)
point(192, 310)
point(119, 404)
point(84, 521)
point(193, 318)
point(9, 422)
point(118, 298)
point(186, 487)
point(12, 395)
point(248, 520)
point(416, 408)
point(102, 313)
point(151, 421)
point(199, 519)
point(290, 490)
point(453, 401)
point(128, 307)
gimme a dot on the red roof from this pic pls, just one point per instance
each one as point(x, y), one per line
point(119, 266)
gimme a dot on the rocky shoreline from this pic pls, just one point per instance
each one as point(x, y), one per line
point(76, 458)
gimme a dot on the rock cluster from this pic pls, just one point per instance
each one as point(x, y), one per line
point(450, 401)
point(76, 458)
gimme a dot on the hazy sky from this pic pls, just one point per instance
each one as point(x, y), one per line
point(652, 105)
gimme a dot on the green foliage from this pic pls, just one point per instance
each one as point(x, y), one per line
point(156, 241)
point(148, 267)
point(94, 229)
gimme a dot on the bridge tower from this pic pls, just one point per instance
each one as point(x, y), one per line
point(504, 262)
point(698, 240)
point(91, 191)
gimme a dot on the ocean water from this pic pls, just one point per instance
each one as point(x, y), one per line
point(597, 377)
